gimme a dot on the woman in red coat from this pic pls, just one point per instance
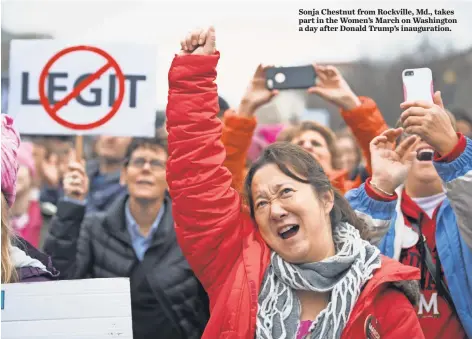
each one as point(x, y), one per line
point(296, 266)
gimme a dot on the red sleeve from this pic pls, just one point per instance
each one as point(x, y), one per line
point(206, 210)
point(237, 137)
point(378, 196)
point(456, 151)
point(366, 122)
point(397, 316)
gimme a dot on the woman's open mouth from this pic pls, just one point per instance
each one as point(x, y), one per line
point(425, 154)
point(289, 231)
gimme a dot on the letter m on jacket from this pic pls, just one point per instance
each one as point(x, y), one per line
point(427, 306)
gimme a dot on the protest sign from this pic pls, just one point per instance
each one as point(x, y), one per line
point(86, 309)
point(58, 87)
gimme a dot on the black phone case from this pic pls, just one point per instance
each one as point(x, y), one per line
point(300, 77)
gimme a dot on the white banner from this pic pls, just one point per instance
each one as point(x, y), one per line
point(59, 87)
point(85, 309)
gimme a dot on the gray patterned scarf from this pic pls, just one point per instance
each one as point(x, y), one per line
point(343, 275)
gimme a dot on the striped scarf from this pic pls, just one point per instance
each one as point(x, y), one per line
point(343, 275)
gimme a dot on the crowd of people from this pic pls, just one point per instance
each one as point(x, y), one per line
point(227, 229)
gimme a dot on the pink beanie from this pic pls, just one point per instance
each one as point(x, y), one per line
point(10, 144)
point(25, 157)
point(263, 137)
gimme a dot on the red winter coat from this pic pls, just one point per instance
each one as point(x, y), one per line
point(221, 242)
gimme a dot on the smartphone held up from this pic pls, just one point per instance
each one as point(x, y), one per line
point(284, 78)
point(418, 86)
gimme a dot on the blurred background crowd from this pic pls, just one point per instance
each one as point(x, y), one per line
point(250, 33)
point(372, 66)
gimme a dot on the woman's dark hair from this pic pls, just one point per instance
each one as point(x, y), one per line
point(298, 164)
point(136, 143)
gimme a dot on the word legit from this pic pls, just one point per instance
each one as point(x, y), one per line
point(96, 93)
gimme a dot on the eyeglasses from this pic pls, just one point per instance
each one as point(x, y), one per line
point(154, 164)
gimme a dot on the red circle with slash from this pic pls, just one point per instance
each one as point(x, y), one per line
point(52, 110)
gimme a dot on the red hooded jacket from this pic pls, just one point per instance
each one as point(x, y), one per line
point(220, 240)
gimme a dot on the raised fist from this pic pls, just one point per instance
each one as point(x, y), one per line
point(199, 42)
point(76, 181)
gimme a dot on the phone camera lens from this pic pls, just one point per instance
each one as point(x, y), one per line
point(409, 73)
point(279, 78)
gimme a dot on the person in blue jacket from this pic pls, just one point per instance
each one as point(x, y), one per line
point(426, 219)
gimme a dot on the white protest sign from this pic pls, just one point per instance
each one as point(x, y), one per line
point(59, 87)
point(85, 309)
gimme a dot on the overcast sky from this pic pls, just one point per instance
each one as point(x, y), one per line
point(248, 32)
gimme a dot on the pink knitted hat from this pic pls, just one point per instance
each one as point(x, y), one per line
point(263, 137)
point(10, 144)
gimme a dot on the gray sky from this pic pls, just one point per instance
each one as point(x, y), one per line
point(248, 32)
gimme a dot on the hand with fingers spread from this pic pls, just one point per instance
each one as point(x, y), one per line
point(431, 123)
point(390, 165)
point(256, 94)
point(49, 170)
point(76, 182)
point(199, 42)
point(331, 86)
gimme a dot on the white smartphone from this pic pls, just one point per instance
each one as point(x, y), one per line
point(418, 84)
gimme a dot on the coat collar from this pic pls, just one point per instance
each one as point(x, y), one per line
point(391, 272)
point(115, 221)
point(36, 264)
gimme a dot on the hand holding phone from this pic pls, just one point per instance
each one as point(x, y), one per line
point(331, 86)
point(431, 122)
point(256, 94)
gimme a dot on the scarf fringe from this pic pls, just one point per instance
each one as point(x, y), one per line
point(343, 275)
